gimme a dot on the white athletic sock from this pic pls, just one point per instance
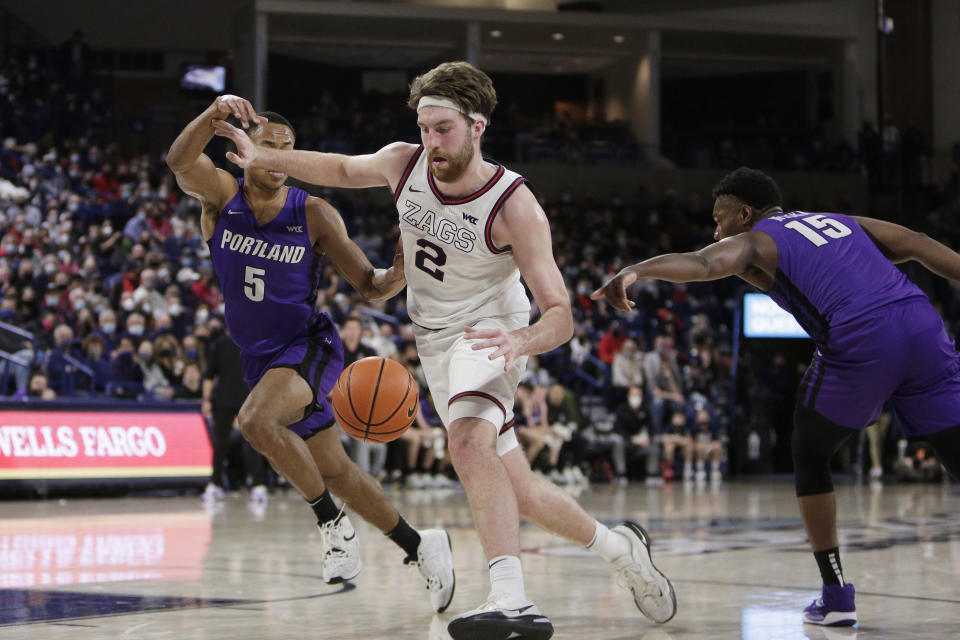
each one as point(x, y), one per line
point(609, 545)
point(715, 466)
point(506, 577)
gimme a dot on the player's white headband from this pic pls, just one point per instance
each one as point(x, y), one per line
point(440, 101)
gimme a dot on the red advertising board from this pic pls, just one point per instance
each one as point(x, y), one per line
point(102, 444)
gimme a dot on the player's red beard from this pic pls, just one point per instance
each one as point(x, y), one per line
point(454, 167)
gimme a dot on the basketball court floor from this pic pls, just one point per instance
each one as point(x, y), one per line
point(157, 568)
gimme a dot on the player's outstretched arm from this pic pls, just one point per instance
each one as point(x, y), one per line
point(329, 234)
point(327, 169)
point(728, 257)
point(195, 172)
point(900, 244)
point(523, 225)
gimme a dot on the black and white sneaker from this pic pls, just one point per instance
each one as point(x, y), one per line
point(499, 619)
point(652, 592)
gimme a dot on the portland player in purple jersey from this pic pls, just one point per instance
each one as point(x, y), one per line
point(877, 336)
point(266, 241)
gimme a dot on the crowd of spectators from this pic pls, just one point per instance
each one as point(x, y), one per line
point(107, 290)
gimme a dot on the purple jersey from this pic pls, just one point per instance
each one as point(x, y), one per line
point(268, 274)
point(830, 274)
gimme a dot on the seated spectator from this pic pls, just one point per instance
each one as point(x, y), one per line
point(191, 383)
point(95, 356)
point(632, 423)
point(168, 356)
point(37, 388)
point(536, 428)
point(676, 435)
point(426, 449)
point(59, 370)
point(155, 383)
point(565, 440)
point(707, 444)
point(136, 326)
point(667, 392)
point(627, 371)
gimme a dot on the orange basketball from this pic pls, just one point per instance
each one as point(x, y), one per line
point(376, 399)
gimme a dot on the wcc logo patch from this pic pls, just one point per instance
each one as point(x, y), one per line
point(295, 229)
point(469, 218)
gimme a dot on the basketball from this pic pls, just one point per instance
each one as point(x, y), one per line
point(376, 399)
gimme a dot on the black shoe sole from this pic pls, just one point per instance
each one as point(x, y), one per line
point(499, 629)
point(645, 539)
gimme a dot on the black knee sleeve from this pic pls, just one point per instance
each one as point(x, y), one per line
point(946, 444)
point(815, 439)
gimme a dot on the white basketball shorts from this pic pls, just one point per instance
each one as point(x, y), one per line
point(465, 383)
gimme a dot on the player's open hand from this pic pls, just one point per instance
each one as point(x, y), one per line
point(504, 343)
point(615, 291)
point(228, 105)
point(246, 153)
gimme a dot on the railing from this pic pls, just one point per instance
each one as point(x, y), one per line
point(8, 360)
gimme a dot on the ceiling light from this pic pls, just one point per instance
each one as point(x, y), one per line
point(618, 39)
point(496, 33)
point(557, 36)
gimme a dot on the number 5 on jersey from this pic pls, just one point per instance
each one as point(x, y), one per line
point(253, 283)
point(827, 226)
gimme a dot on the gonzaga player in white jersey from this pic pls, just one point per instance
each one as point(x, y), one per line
point(471, 229)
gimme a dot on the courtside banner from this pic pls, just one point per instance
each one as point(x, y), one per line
point(36, 445)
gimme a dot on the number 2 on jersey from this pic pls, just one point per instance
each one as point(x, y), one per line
point(430, 252)
point(827, 226)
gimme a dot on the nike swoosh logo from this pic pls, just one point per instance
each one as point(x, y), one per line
point(351, 537)
point(415, 190)
point(233, 213)
point(410, 413)
point(522, 609)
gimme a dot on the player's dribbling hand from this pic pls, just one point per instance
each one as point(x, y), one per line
point(246, 150)
point(615, 291)
point(397, 268)
point(228, 105)
point(505, 344)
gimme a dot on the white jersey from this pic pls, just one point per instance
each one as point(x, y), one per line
point(455, 273)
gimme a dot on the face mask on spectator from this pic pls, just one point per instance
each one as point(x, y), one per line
point(174, 309)
point(52, 300)
point(47, 324)
point(6, 314)
point(202, 316)
point(109, 327)
point(163, 274)
point(49, 268)
point(136, 329)
point(127, 304)
point(106, 230)
point(634, 400)
point(79, 304)
point(190, 353)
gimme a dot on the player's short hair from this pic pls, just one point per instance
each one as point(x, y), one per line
point(271, 116)
point(751, 187)
point(471, 89)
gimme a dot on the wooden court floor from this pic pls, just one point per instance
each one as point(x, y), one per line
point(157, 568)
